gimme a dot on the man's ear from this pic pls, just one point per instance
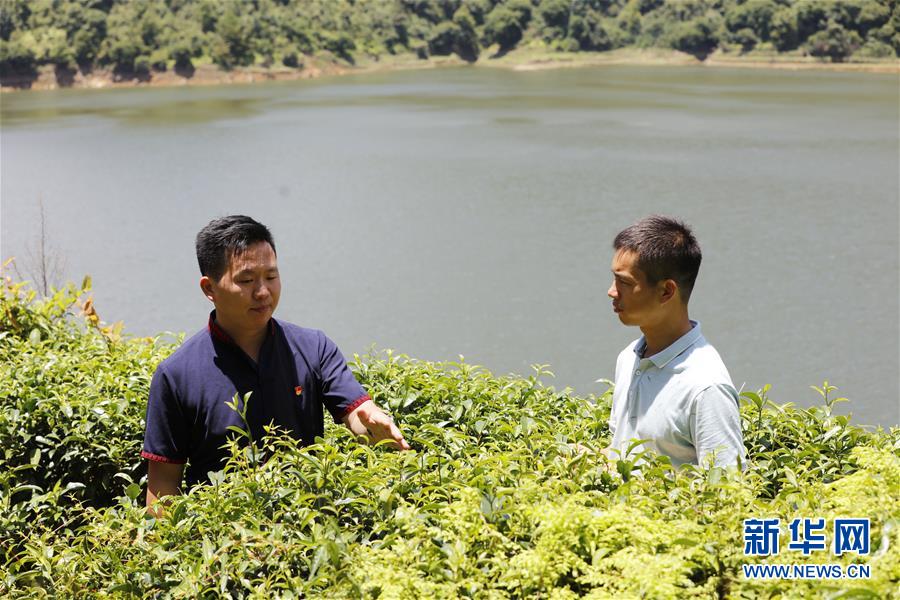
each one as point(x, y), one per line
point(668, 290)
point(206, 287)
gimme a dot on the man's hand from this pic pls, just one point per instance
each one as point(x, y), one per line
point(372, 424)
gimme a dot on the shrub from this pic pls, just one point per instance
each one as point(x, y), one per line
point(875, 49)
point(142, 66)
point(159, 60)
point(290, 59)
point(72, 401)
point(504, 494)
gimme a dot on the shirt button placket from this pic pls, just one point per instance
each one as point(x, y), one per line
point(632, 398)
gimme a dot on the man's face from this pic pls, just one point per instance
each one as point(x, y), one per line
point(247, 293)
point(635, 301)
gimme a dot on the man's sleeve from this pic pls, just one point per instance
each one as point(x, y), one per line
point(342, 394)
point(167, 435)
point(716, 426)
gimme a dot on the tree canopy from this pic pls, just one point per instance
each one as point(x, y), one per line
point(142, 35)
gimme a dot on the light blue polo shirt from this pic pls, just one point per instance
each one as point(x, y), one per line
point(681, 400)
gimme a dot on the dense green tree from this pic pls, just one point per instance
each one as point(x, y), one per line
point(554, 16)
point(646, 6)
point(755, 15)
point(466, 44)
point(123, 43)
point(339, 44)
point(433, 11)
point(587, 31)
point(835, 43)
point(232, 41)
point(89, 35)
point(502, 27)
point(443, 37)
point(208, 14)
point(891, 31)
point(13, 17)
point(298, 30)
point(184, 41)
point(697, 37)
point(17, 55)
point(745, 38)
point(812, 16)
point(522, 8)
point(629, 21)
point(783, 30)
point(875, 49)
point(479, 9)
point(872, 15)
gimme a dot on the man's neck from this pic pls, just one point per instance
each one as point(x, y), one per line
point(248, 341)
point(661, 336)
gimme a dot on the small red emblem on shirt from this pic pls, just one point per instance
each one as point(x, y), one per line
point(298, 390)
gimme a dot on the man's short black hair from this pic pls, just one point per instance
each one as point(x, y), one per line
point(225, 238)
point(665, 248)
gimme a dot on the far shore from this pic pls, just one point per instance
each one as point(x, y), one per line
point(529, 59)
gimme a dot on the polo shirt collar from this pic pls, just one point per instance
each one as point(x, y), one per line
point(220, 334)
point(661, 359)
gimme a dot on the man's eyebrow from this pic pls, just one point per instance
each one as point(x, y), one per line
point(251, 271)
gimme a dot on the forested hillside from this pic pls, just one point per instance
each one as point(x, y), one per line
point(141, 36)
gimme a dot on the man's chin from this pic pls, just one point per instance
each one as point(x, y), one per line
point(624, 319)
point(260, 317)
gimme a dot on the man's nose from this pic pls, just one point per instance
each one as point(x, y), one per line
point(261, 291)
point(612, 292)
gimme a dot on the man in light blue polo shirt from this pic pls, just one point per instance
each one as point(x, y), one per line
point(671, 388)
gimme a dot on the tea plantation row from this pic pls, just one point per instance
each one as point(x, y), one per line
point(504, 494)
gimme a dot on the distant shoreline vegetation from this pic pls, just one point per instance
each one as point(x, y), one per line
point(97, 42)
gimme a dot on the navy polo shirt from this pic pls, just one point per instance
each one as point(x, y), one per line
point(299, 372)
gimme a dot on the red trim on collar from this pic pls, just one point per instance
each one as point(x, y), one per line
point(162, 459)
point(221, 335)
point(355, 404)
point(217, 332)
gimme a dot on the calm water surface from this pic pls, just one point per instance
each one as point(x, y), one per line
point(470, 211)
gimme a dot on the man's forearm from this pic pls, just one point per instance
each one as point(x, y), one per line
point(163, 479)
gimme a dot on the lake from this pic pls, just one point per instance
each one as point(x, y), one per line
point(470, 211)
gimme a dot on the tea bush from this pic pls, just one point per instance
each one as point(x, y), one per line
point(504, 495)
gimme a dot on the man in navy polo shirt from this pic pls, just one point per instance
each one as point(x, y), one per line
point(291, 371)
